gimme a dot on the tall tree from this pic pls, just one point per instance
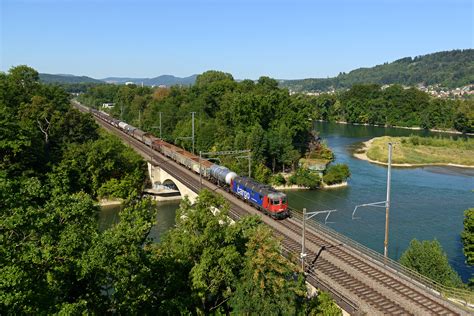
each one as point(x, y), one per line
point(427, 258)
point(268, 284)
point(201, 239)
point(467, 236)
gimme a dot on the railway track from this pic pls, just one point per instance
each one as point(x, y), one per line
point(358, 285)
point(412, 296)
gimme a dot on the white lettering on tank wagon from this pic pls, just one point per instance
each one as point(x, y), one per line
point(243, 193)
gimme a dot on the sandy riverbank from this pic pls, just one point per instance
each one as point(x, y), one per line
point(414, 128)
point(334, 186)
point(361, 153)
point(323, 186)
point(289, 187)
point(106, 202)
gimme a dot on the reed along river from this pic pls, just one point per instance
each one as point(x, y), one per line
point(426, 202)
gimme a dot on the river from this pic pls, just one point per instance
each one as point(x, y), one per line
point(426, 203)
point(165, 218)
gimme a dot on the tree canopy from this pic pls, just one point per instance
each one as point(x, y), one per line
point(230, 115)
point(53, 165)
point(450, 69)
point(468, 236)
point(427, 258)
point(54, 259)
point(394, 106)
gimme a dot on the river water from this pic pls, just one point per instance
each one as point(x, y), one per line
point(165, 218)
point(426, 203)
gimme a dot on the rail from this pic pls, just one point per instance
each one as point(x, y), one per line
point(338, 297)
point(461, 296)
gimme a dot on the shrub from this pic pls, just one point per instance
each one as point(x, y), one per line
point(336, 174)
point(414, 140)
point(305, 178)
point(262, 173)
point(429, 259)
point(278, 179)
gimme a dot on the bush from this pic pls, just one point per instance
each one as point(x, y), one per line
point(414, 140)
point(305, 178)
point(262, 173)
point(322, 152)
point(336, 174)
point(278, 179)
point(429, 259)
point(322, 304)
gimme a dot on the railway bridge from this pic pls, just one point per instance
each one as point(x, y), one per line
point(360, 280)
point(160, 177)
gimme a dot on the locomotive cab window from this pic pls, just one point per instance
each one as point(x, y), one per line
point(283, 200)
point(275, 202)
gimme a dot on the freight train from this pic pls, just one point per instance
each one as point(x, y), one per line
point(263, 197)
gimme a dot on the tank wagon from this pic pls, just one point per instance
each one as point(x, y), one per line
point(263, 197)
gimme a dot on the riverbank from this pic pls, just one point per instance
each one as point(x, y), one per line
point(407, 153)
point(334, 186)
point(414, 128)
point(323, 186)
point(107, 202)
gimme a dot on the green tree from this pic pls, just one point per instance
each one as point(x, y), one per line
point(428, 259)
point(305, 178)
point(104, 168)
point(268, 285)
point(467, 236)
point(464, 117)
point(210, 259)
point(42, 247)
point(22, 83)
point(120, 263)
point(261, 173)
point(336, 174)
point(278, 179)
point(322, 305)
point(232, 115)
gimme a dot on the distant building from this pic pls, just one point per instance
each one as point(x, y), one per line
point(129, 83)
point(108, 105)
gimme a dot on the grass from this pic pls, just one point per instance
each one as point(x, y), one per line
point(423, 150)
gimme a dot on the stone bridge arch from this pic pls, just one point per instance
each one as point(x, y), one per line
point(158, 176)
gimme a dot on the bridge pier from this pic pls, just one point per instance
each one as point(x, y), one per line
point(166, 185)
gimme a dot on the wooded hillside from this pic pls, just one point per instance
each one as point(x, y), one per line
point(449, 69)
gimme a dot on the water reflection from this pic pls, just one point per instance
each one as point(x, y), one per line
point(165, 218)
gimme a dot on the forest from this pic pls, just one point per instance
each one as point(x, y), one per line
point(54, 259)
point(393, 106)
point(266, 119)
point(449, 69)
point(229, 115)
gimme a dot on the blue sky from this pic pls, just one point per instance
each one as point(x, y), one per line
point(281, 38)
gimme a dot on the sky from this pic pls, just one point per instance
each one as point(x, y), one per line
point(283, 39)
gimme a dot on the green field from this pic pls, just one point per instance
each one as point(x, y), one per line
point(423, 150)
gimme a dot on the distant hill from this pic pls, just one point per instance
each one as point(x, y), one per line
point(450, 69)
point(167, 80)
point(49, 78)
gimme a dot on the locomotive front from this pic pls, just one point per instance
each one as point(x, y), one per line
point(278, 204)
